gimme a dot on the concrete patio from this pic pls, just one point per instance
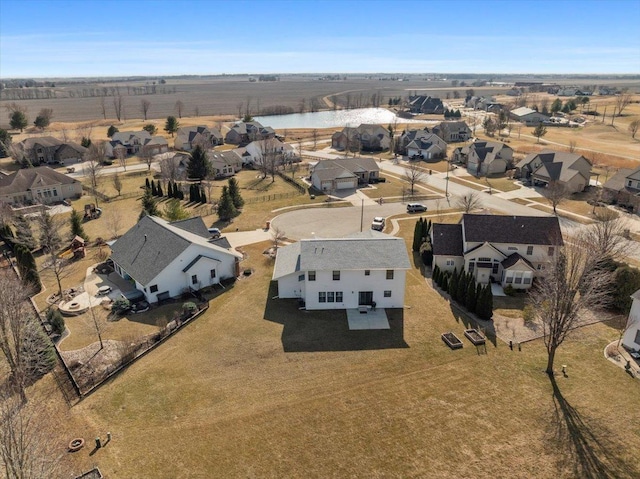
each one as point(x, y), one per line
point(371, 319)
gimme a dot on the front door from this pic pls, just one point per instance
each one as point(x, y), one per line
point(365, 298)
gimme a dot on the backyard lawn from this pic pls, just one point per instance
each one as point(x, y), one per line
point(257, 388)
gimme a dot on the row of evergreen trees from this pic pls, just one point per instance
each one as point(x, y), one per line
point(422, 240)
point(463, 289)
point(230, 201)
point(452, 114)
point(21, 243)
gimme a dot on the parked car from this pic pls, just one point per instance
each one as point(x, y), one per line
point(214, 232)
point(377, 223)
point(416, 208)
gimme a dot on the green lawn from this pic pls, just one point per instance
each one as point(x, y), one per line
point(257, 388)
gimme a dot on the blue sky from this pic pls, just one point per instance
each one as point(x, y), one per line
point(146, 37)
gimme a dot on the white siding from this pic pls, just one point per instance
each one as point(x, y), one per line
point(631, 338)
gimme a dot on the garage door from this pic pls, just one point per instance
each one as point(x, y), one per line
point(345, 184)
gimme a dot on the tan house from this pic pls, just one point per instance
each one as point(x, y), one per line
point(485, 158)
point(623, 188)
point(243, 133)
point(509, 250)
point(224, 163)
point(345, 173)
point(38, 185)
point(132, 142)
point(528, 116)
point(570, 170)
point(188, 137)
point(50, 150)
point(365, 137)
point(452, 131)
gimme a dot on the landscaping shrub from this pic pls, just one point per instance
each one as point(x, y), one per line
point(509, 290)
point(189, 308)
point(120, 306)
point(55, 319)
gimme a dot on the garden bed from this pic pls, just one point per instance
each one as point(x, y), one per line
point(475, 336)
point(453, 341)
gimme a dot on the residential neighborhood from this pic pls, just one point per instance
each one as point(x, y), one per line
point(264, 250)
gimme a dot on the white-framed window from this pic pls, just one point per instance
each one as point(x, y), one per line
point(212, 273)
point(512, 248)
point(387, 294)
point(450, 262)
point(194, 279)
point(301, 277)
point(312, 275)
point(322, 297)
point(389, 274)
point(331, 297)
point(339, 297)
point(336, 275)
point(529, 250)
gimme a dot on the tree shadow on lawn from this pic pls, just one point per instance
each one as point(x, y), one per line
point(582, 448)
point(314, 331)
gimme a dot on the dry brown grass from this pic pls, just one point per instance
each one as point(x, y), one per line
point(227, 399)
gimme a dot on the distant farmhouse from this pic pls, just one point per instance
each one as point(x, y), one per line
point(133, 142)
point(243, 133)
point(528, 116)
point(165, 260)
point(343, 174)
point(344, 273)
point(49, 150)
point(38, 185)
point(509, 250)
point(426, 105)
point(188, 137)
point(570, 170)
point(363, 138)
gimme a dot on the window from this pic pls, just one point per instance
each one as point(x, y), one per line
point(213, 273)
point(336, 275)
point(312, 275)
point(338, 296)
point(495, 268)
point(389, 274)
point(637, 340)
point(529, 250)
point(484, 260)
point(322, 297)
point(449, 263)
point(301, 277)
point(526, 280)
point(194, 279)
point(552, 250)
point(331, 297)
point(153, 288)
point(512, 248)
point(367, 272)
point(472, 266)
point(387, 294)
point(509, 279)
point(629, 183)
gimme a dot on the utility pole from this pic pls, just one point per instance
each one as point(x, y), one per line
point(361, 215)
point(446, 184)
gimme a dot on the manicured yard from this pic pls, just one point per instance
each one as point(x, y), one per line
point(257, 388)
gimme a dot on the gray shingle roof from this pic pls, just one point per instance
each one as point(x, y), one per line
point(447, 239)
point(357, 252)
point(513, 259)
point(532, 230)
point(26, 179)
point(193, 225)
point(618, 182)
point(153, 244)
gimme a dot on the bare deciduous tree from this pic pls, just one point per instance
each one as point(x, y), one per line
point(571, 287)
point(145, 155)
point(113, 221)
point(469, 202)
point(179, 107)
point(314, 138)
point(633, 128)
point(144, 107)
point(118, 104)
point(277, 237)
point(103, 107)
point(413, 174)
point(50, 226)
point(117, 183)
point(121, 156)
point(556, 193)
point(572, 146)
point(622, 102)
point(93, 164)
point(170, 168)
point(606, 237)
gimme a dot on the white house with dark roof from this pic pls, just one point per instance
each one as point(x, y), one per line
point(509, 250)
point(167, 259)
point(570, 170)
point(344, 173)
point(488, 158)
point(38, 185)
point(258, 151)
point(344, 273)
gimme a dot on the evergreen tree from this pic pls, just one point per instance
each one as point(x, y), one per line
point(76, 225)
point(160, 193)
point(484, 307)
point(23, 234)
point(6, 234)
point(27, 267)
point(446, 278)
point(146, 183)
point(434, 274)
point(196, 194)
point(417, 235)
point(226, 208)
point(556, 106)
point(112, 131)
point(471, 298)
point(55, 319)
point(171, 125)
point(203, 196)
point(180, 193)
point(461, 293)
point(192, 196)
point(234, 191)
point(453, 285)
point(149, 206)
point(174, 211)
point(199, 166)
point(18, 120)
point(154, 191)
point(170, 190)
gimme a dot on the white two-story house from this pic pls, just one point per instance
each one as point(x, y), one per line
point(344, 273)
point(509, 250)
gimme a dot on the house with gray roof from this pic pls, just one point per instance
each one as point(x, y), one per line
point(452, 131)
point(344, 173)
point(132, 142)
point(365, 137)
point(189, 136)
point(224, 163)
point(485, 158)
point(546, 167)
point(422, 143)
point(426, 105)
point(344, 273)
point(623, 188)
point(165, 260)
point(49, 150)
point(244, 132)
point(38, 185)
point(509, 250)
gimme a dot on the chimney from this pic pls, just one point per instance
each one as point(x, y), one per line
point(145, 238)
